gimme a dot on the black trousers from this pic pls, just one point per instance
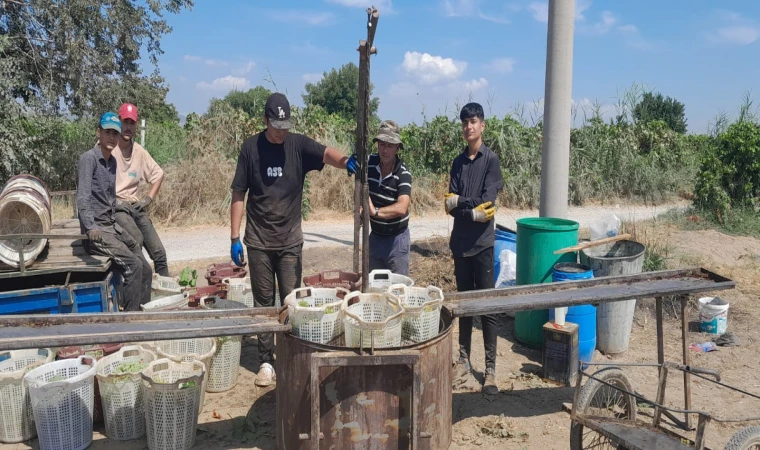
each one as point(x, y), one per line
point(264, 265)
point(475, 273)
point(139, 225)
point(127, 258)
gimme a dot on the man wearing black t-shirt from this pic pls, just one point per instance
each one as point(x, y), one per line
point(390, 190)
point(271, 169)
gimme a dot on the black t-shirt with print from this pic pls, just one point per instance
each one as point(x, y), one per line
point(273, 176)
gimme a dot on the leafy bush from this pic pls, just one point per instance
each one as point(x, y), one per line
point(729, 178)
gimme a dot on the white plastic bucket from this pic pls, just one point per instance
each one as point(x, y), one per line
point(713, 318)
point(559, 315)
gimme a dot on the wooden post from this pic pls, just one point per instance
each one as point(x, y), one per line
point(660, 337)
point(686, 359)
point(361, 189)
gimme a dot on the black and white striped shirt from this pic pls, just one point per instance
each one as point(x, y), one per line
point(386, 191)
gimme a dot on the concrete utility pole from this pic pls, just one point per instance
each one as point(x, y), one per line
point(555, 160)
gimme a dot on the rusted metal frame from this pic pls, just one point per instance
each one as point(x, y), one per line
point(20, 238)
point(686, 359)
point(702, 423)
point(352, 359)
point(660, 400)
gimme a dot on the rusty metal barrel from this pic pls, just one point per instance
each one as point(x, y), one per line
point(332, 397)
point(24, 209)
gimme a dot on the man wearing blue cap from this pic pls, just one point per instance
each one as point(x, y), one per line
point(96, 201)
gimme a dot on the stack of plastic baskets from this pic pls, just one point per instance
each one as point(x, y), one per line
point(165, 284)
point(422, 311)
point(62, 395)
point(173, 396)
point(188, 350)
point(16, 418)
point(121, 392)
point(381, 280)
point(239, 290)
point(316, 314)
point(168, 303)
point(223, 371)
point(372, 320)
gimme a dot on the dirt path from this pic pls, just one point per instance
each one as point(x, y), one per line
point(210, 242)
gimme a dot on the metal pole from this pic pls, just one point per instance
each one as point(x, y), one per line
point(142, 133)
point(555, 160)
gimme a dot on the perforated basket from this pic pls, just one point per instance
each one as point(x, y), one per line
point(316, 314)
point(62, 396)
point(16, 418)
point(372, 320)
point(223, 372)
point(165, 284)
point(121, 392)
point(169, 303)
point(381, 280)
point(173, 395)
point(239, 290)
point(188, 350)
point(422, 311)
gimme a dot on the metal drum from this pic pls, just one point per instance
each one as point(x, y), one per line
point(24, 209)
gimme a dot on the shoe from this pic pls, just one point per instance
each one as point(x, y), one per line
point(266, 375)
point(490, 387)
point(461, 373)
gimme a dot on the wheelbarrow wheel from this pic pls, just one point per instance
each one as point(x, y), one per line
point(600, 400)
point(745, 439)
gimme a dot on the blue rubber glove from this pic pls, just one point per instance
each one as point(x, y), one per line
point(236, 252)
point(352, 166)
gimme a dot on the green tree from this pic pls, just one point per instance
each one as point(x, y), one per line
point(657, 107)
point(251, 101)
point(191, 121)
point(148, 93)
point(68, 51)
point(338, 92)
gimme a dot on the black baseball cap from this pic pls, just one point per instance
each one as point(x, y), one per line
point(277, 110)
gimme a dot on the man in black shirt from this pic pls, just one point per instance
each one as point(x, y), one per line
point(473, 187)
point(390, 190)
point(271, 169)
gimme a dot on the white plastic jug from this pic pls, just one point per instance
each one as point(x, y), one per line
point(713, 315)
point(559, 315)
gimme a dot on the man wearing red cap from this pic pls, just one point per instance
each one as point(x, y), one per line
point(134, 164)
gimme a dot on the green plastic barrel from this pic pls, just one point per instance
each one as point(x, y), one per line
point(537, 240)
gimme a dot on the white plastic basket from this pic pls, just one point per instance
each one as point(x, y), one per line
point(316, 314)
point(169, 303)
point(239, 290)
point(173, 395)
point(188, 350)
point(422, 311)
point(121, 392)
point(16, 418)
point(381, 280)
point(372, 320)
point(223, 372)
point(165, 284)
point(62, 394)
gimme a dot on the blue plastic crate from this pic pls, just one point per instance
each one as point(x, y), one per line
point(85, 297)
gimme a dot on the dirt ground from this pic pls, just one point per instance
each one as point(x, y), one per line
point(527, 413)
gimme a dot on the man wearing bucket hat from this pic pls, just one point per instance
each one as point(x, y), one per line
point(390, 191)
point(133, 165)
point(473, 187)
point(271, 170)
point(96, 200)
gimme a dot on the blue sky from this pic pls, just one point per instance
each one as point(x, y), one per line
point(435, 54)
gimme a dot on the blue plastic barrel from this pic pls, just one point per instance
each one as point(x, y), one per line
point(583, 315)
point(504, 239)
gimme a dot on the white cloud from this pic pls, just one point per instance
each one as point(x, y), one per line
point(476, 85)
point(734, 30)
point(471, 8)
point(603, 26)
point(429, 69)
point(381, 5)
point(502, 65)
point(314, 18)
point(540, 10)
point(225, 84)
point(311, 77)
point(245, 69)
point(208, 62)
point(633, 38)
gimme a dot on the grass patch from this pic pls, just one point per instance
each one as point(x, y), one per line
point(736, 223)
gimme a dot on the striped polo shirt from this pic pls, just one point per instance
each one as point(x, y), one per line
point(386, 191)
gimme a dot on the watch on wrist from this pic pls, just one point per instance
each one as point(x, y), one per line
point(377, 212)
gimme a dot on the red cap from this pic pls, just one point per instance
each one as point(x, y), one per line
point(128, 111)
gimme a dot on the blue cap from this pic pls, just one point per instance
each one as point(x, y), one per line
point(110, 121)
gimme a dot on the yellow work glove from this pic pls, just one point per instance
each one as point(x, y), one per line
point(450, 202)
point(484, 212)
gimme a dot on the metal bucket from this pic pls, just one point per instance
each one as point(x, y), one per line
point(364, 401)
point(614, 319)
point(24, 209)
